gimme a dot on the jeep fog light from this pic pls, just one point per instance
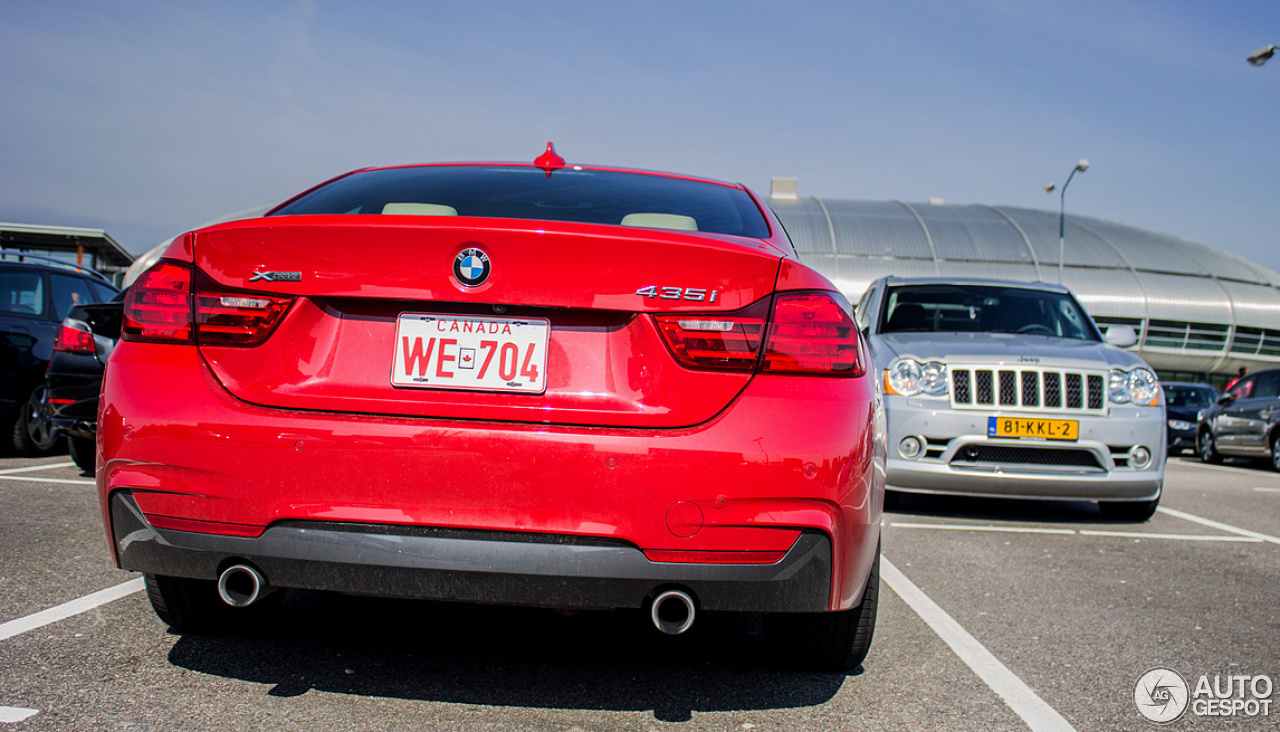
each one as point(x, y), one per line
point(1140, 458)
point(910, 447)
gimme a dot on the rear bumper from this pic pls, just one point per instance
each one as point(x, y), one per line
point(486, 567)
point(73, 401)
point(746, 481)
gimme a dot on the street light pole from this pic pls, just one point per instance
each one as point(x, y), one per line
point(1081, 167)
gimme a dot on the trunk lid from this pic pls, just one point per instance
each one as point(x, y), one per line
point(605, 362)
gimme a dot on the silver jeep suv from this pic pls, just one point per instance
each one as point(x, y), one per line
point(1007, 389)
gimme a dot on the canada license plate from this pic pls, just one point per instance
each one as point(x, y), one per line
point(1045, 429)
point(471, 352)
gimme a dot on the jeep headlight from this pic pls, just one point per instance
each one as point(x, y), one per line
point(909, 377)
point(1139, 386)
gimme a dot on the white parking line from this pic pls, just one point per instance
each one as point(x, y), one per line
point(1267, 490)
point(1073, 532)
point(13, 715)
point(1209, 466)
point(1182, 537)
point(971, 527)
point(64, 481)
point(1038, 715)
point(68, 609)
point(1218, 525)
point(33, 468)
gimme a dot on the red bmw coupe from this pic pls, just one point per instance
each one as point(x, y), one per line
point(547, 385)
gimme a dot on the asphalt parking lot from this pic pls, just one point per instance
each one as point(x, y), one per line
point(995, 615)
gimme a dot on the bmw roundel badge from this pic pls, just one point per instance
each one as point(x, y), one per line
point(471, 267)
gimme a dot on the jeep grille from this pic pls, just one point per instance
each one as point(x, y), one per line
point(1028, 389)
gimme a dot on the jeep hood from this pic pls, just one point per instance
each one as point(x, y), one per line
point(1000, 349)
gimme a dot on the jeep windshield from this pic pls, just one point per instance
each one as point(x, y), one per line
point(952, 308)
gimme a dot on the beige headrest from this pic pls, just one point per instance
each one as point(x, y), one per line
point(419, 209)
point(660, 221)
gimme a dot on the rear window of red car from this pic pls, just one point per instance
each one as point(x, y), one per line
point(514, 192)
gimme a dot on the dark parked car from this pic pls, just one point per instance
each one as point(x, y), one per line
point(74, 378)
point(1245, 421)
point(36, 294)
point(1183, 404)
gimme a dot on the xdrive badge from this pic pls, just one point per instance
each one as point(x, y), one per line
point(276, 276)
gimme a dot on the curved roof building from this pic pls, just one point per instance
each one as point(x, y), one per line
point(1197, 310)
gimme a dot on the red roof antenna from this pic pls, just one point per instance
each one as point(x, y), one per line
point(549, 160)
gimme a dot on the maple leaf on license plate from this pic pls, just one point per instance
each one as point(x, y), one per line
point(471, 352)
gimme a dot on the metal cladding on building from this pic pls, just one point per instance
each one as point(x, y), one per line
point(1195, 308)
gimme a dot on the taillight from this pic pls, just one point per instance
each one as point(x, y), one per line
point(810, 333)
point(74, 336)
point(158, 305)
point(230, 318)
point(159, 308)
point(720, 342)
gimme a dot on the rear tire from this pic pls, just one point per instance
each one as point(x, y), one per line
point(33, 433)
point(1275, 450)
point(1136, 511)
point(837, 641)
point(193, 606)
point(1206, 448)
point(82, 452)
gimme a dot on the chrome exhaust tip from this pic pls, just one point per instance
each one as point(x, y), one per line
point(241, 585)
point(672, 612)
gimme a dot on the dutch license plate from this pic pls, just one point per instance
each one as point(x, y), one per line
point(471, 352)
point(1047, 429)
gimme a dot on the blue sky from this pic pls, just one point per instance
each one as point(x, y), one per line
point(150, 118)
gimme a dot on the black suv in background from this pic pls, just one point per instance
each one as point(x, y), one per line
point(36, 294)
point(1244, 422)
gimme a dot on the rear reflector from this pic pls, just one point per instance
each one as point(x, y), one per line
point(74, 336)
point(158, 308)
point(204, 527)
point(812, 333)
point(721, 342)
point(747, 557)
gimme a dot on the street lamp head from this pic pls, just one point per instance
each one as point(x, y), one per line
point(1083, 165)
point(1262, 55)
point(1050, 188)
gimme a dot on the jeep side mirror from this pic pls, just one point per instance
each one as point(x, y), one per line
point(1121, 336)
